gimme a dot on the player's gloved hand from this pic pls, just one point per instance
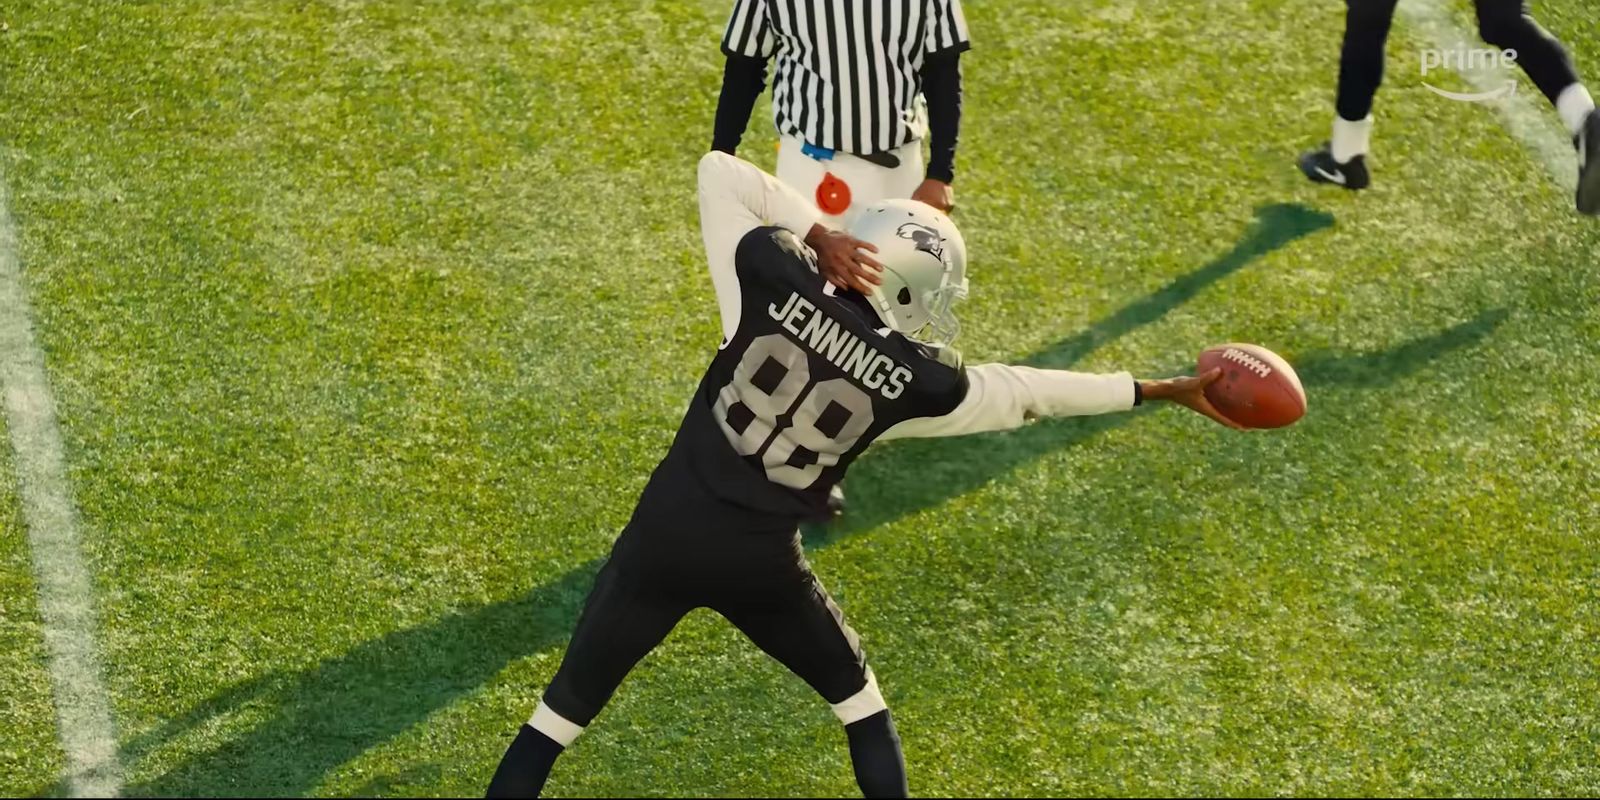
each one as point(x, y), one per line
point(843, 259)
point(1190, 393)
point(936, 193)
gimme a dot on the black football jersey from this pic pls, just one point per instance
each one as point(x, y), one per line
point(807, 382)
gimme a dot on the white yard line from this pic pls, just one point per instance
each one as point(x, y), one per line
point(1526, 115)
point(66, 593)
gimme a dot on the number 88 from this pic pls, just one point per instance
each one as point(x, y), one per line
point(773, 379)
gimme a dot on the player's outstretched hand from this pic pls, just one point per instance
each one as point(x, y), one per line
point(1190, 393)
point(843, 259)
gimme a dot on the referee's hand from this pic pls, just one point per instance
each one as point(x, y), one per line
point(843, 259)
point(936, 193)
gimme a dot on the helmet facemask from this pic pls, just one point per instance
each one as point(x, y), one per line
point(943, 327)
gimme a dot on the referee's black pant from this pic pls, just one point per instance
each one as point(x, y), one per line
point(1505, 24)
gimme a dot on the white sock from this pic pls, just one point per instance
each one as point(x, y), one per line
point(862, 704)
point(553, 725)
point(1350, 139)
point(1574, 105)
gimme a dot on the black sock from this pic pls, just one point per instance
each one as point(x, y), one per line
point(525, 765)
point(875, 754)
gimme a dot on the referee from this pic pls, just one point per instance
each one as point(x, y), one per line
point(847, 96)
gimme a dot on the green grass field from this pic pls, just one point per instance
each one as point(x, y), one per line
point(367, 321)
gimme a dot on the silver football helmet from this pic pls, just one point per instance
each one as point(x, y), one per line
point(924, 268)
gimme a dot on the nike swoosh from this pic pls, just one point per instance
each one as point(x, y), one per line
point(1335, 177)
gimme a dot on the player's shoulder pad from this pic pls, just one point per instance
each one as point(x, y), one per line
point(770, 252)
point(792, 244)
point(946, 356)
point(950, 389)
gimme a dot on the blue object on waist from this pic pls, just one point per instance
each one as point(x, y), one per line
point(818, 153)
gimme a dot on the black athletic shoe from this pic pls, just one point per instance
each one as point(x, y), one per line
point(835, 501)
point(1320, 166)
point(1588, 141)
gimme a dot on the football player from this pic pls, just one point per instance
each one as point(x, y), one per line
point(1506, 24)
point(813, 367)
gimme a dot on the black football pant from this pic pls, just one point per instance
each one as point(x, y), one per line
point(682, 550)
point(1504, 24)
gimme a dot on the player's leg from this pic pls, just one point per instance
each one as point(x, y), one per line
point(1361, 56)
point(620, 623)
point(1342, 159)
point(795, 621)
point(1507, 25)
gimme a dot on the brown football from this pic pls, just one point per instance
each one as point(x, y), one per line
point(1258, 389)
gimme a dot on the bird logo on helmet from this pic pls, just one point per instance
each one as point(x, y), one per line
point(927, 239)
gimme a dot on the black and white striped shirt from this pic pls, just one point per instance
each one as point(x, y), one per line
point(848, 71)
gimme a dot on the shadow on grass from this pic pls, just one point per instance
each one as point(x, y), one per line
point(328, 714)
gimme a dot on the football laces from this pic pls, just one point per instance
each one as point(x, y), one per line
point(1250, 362)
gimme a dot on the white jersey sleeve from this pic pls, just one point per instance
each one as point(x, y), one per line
point(736, 197)
point(1001, 397)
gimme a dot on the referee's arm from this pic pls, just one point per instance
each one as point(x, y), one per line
point(946, 40)
point(941, 85)
point(743, 78)
point(747, 43)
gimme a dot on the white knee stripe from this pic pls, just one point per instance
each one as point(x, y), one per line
point(553, 725)
point(862, 704)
